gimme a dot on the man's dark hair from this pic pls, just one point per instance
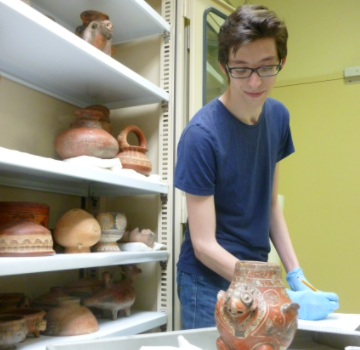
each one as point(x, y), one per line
point(247, 24)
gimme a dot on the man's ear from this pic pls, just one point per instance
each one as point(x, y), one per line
point(283, 61)
point(223, 69)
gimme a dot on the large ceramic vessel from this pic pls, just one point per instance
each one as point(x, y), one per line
point(86, 137)
point(70, 318)
point(255, 313)
point(13, 330)
point(77, 231)
point(133, 157)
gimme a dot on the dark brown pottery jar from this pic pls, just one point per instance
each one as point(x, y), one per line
point(133, 157)
point(49, 300)
point(255, 313)
point(70, 318)
point(97, 30)
point(86, 137)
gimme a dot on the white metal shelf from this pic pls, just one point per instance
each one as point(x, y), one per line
point(126, 15)
point(137, 323)
point(23, 170)
point(41, 54)
point(19, 265)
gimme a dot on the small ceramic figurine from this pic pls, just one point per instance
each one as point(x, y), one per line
point(116, 296)
point(145, 236)
point(255, 313)
point(97, 30)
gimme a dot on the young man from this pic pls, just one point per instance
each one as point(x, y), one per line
point(228, 166)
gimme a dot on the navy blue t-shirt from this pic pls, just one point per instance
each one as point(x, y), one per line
point(220, 155)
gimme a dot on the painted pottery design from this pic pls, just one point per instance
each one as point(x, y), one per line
point(33, 317)
point(112, 229)
point(145, 236)
point(97, 30)
point(116, 296)
point(70, 318)
point(133, 157)
point(24, 211)
point(13, 300)
point(13, 330)
point(86, 137)
point(25, 238)
point(77, 231)
point(255, 312)
point(49, 300)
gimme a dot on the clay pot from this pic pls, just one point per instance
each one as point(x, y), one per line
point(105, 118)
point(33, 317)
point(255, 312)
point(25, 238)
point(133, 157)
point(13, 330)
point(86, 137)
point(70, 318)
point(24, 211)
point(50, 299)
point(10, 301)
point(77, 231)
point(97, 30)
point(115, 296)
point(112, 228)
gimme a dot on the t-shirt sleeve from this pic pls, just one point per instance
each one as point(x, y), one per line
point(286, 145)
point(195, 170)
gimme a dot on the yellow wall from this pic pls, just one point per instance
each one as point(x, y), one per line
point(320, 181)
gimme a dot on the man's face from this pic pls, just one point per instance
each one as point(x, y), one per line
point(252, 92)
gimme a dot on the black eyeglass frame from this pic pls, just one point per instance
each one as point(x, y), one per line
point(252, 70)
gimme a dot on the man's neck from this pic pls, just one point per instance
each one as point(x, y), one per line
point(242, 112)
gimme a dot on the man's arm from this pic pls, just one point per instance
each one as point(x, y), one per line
point(202, 224)
point(279, 233)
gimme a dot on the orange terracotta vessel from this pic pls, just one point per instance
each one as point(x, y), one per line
point(255, 312)
point(133, 157)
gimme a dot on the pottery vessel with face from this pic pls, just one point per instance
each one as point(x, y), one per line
point(255, 313)
point(49, 300)
point(13, 300)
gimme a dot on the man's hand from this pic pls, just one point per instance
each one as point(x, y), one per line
point(294, 282)
point(314, 305)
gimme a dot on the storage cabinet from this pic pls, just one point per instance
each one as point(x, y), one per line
point(46, 56)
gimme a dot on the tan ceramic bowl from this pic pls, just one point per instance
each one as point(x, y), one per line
point(13, 330)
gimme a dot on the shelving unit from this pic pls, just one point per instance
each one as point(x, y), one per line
point(47, 56)
point(60, 64)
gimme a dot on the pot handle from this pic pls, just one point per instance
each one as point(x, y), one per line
point(122, 138)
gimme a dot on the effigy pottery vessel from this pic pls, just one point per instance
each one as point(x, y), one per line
point(255, 312)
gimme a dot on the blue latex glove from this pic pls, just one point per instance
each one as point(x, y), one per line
point(314, 305)
point(294, 283)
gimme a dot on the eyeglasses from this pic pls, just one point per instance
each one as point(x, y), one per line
point(263, 71)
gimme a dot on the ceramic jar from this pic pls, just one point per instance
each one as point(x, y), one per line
point(83, 287)
point(133, 157)
point(13, 330)
point(25, 238)
point(33, 317)
point(113, 226)
point(97, 30)
point(105, 118)
point(24, 211)
point(77, 231)
point(115, 296)
point(86, 137)
point(255, 313)
point(70, 318)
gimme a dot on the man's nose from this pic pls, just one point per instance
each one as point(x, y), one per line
point(254, 79)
